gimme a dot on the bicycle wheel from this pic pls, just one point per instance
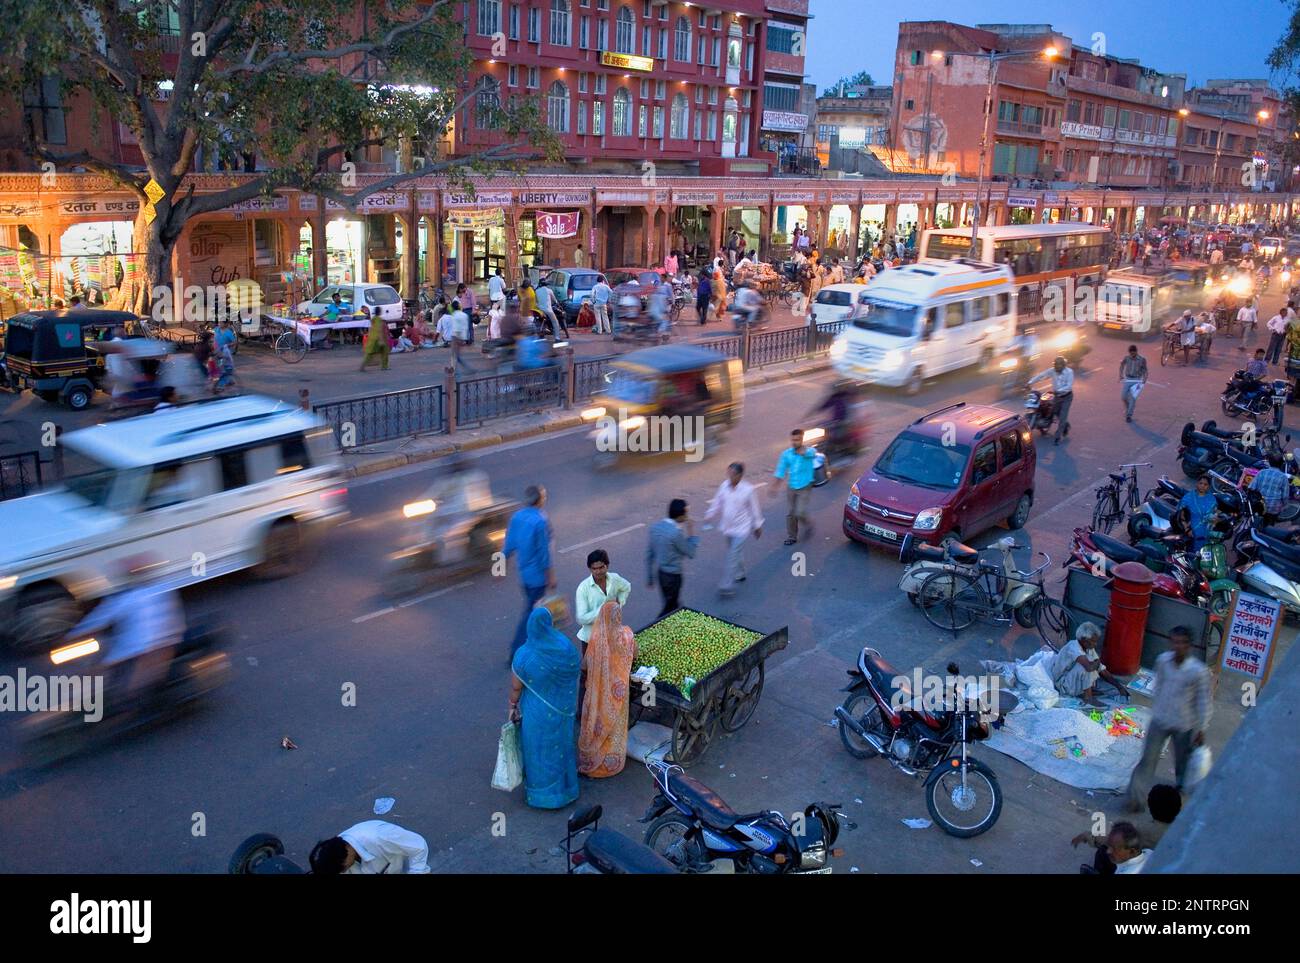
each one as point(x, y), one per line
point(290, 347)
point(1054, 622)
point(1166, 352)
point(951, 600)
point(1106, 512)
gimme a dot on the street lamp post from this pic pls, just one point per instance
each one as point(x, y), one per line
point(995, 58)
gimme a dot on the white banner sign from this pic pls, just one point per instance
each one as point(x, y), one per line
point(554, 198)
point(481, 199)
point(1020, 200)
point(785, 120)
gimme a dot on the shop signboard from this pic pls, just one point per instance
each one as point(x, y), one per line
point(914, 197)
point(219, 253)
point(784, 120)
point(1251, 641)
point(552, 225)
point(273, 203)
point(554, 198)
point(453, 199)
point(11, 277)
point(128, 207)
point(622, 197)
point(626, 61)
point(476, 220)
point(795, 197)
point(1022, 200)
point(375, 203)
point(427, 201)
point(844, 197)
point(695, 198)
point(879, 197)
point(746, 197)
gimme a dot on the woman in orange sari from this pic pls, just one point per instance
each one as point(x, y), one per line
point(602, 737)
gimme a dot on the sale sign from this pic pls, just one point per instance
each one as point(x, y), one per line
point(553, 225)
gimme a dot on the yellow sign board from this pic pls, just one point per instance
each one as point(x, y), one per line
point(626, 61)
point(153, 192)
point(149, 213)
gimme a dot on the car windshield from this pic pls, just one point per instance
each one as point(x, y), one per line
point(887, 317)
point(918, 460)
point(839, 299)
point(630, 387)
point(381, 296)
point(615, 278)
point(1114, 294)
point(87, 478)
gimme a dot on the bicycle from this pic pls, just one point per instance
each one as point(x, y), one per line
point(1109, 508)
point(955, 595)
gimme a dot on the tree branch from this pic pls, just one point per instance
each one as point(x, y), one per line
point(119, 173)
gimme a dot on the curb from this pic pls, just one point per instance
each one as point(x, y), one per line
point(373, 464)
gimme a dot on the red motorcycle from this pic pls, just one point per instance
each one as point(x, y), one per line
point(882, 716)
point(1099, 554)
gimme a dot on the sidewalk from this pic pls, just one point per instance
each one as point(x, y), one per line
point(385, 456)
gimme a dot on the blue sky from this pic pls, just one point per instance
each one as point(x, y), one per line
point(1201, 38)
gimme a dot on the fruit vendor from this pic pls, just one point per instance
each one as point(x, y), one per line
point(595, 590)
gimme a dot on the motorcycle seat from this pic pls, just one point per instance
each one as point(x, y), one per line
point(1278, 546)
point(1116, 550)
point(615, 854)
point(1285, 566)
point(703, 801)
point(930, 553)
point(1210, 428)
point(1162, 508)
point(1243, 459)
point(1144, 529)
point(960, 552)
point(1200, 439)
point(1288, 534)
point(1172, 487)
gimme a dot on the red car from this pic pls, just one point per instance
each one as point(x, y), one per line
point(950, 474)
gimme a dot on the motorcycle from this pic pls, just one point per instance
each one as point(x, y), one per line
point(1040, 410)
point(606, 852)
point(1192, 566)
point(692, 827)
point(197, 667)
point(881, 717)
point(1269, 565)
point(1246, 396)
point(426, 559)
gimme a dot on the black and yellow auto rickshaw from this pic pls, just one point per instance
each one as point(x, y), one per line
point(673, 398)
point(54, 352)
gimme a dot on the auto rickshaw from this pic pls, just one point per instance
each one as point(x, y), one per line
point(54, 353)
point(672, 398)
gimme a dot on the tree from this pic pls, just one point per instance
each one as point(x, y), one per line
point(861, 79)
point(1284, 58)
point(297, 83)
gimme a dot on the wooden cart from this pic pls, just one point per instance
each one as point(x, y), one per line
point(725, 698)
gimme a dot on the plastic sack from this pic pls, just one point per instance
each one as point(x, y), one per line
point(1198, 767)
point(509, 771)
point(1033, 675)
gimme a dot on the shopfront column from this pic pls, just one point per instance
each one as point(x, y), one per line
point(891, 220)
point(513, 217)
point(650, 252)
point(410, 268)
point(855, 230)
point(764, 232)
point(717, 223)
point(319, 250)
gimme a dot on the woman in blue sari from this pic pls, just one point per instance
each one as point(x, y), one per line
point(545, 694)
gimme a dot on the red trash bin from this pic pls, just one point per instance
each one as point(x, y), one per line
point(1130, 598)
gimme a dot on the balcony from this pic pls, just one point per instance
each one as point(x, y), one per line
point(1101, 89)
point(1019, 128)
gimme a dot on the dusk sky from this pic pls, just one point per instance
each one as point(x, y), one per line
point(1197, 37)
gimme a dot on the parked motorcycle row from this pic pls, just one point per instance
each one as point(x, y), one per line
point(1242, 548)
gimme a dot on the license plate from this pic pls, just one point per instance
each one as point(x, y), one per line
point(824, 871)
point(879, 532)
point(1113, 326)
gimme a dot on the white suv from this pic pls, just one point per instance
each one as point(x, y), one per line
point(381, 299)
point(200, 490)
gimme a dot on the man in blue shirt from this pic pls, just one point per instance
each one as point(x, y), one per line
point(1200, 504)
point(1273, 485)
point(600, 295)
point(796, 467)
point(671, 540)
point(529, 534)
point(546, 305)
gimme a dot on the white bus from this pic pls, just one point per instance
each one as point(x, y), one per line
point(1066, 254)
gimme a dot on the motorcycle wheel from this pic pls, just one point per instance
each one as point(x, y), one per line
point(252, 851)
point(981, 798)
point(669, 836)
point(856, 746)
point(1024, 614)
point(1221, 603)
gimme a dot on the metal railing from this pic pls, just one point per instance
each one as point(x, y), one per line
point(774, 347)
point(20, 474)
point(497, 396)
point(589, 375)
point(395, 414)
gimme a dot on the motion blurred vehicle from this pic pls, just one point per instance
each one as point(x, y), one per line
point(214, 488)
point(637, 281)
point(367, 299)
point(1270, 247)
point(669, 398)
point(571, 286)
point(838, 302)
point(425, 558)
point(947, 476)
point(57, 354)
point(918, 321)
point(1133, 303)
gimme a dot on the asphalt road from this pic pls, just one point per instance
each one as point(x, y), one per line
point(431, 680)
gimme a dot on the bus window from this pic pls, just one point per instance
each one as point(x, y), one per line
point(954, 314)
point(1003, 305)
point(979, 308)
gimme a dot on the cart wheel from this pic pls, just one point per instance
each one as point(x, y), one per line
point(290, 347)
point(692, 733)
point(741, 699)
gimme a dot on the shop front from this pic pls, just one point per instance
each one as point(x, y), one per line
point(743, 211)
point(874, 217)
point(691, 226)
point(1022, 208)
point(911, 216)
point(551, 225)
point(474, 235)
point(626, 219)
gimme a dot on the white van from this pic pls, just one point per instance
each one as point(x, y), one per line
point(198, 491)
point(927, 318)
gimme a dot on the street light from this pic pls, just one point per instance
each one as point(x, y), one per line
point(995, 58)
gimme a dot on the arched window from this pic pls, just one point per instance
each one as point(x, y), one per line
point(622, 123)
point(557, 108)
point(560, 23)
point(625, 37)
point(487, 101)
point(681, 116)
point(682, 40)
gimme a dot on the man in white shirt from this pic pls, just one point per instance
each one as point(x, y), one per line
point(1276, 338)
point(1062, 376)
point(1124, 846)
point(371, 848)
point(1180, 711)
point(1247, 318)
point(461, 495)
point(736, 505)
point(595, 590)
point(458, 322)
point(497, 290)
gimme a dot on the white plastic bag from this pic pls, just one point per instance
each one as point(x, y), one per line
point(1198, 767)
point(509, 771)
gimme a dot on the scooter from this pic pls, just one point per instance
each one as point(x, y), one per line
point(197, 667)
point(692, 827)
point(1022, 593)
point(426, 559)
point(1040, 409)
point(1270, 566)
